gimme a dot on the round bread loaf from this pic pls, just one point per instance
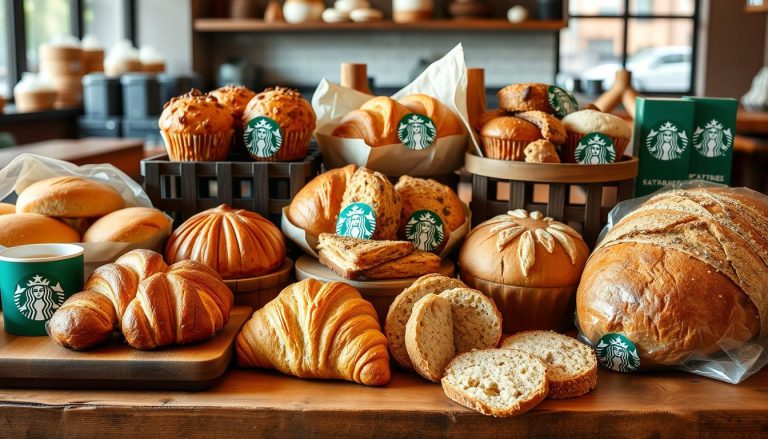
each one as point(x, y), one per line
point(32, 228)
point(375, 190)
point(133, 224)
point(446, 122)
point(316, 206)
point(426, 194)
point(69, 197)
point(682, 275)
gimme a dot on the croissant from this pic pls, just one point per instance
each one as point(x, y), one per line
point(446, 122)
point(317, 330)
point(375, 122)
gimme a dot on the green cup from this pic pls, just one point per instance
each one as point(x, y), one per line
point(35, 280)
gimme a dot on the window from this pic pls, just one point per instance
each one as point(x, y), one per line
point(105, 20)
point(654, 39)
point(5, 57)
point(43, 20)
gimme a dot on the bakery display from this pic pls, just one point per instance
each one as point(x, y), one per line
point(316, 206)
point(278, 125)
point(595, 137)
point(505, 138)
point(32, 228)
point(429, 336)
point(236, 243)
point(529, 264)
point(681, 278)
point(317, 330)
point(69, 197)
point(132, 224)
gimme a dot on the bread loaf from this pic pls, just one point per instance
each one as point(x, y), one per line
point(69, 197)
point(429, 336)
point(133, 224)
point(316, 206)
point(427, 194)
point(375, 190)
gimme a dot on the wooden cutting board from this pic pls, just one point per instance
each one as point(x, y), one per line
point(39, 362)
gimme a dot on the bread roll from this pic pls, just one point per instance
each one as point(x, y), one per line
point(69, 197)
point(316, 206)
point(32, 228)
point(133, 224)
point(446, 122)
point(419, 193)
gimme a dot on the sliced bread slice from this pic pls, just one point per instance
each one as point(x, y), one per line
point(349, 257)
point(571, 365)
point(401, 308)
point(497, 382)
point(429, 336)
point(476, 320)
point(416, 264)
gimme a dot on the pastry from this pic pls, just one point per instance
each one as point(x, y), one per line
point(236, 243)
point(69, 197)
point(32, 228)
point(196, 127)
point(476, 320)
point(505, 138)
point(551, 128)
point(349, 257)
point(376, 122)
point(429, 336)
point(537, 97)
point(676, 277)
point(6, 208)
point(132, 224)
point(278, 125)
point(417, 194)
point(580, 145)
point(415, 264)
point(317, 330)
point(529, 265)
point(541, 151)
point(373, 193)
point(489, 116)
point(317, 205)
point(445, 120)
point(235, 98)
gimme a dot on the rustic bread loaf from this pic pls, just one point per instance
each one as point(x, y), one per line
point(420, 193)
point(316, 206)
point(429, 336)
point(375, 190)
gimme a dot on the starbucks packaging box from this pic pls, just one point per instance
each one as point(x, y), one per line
point(662, 136)
point(714, 125)
point(444, 80)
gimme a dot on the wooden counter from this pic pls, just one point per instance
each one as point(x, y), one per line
point(262, 403)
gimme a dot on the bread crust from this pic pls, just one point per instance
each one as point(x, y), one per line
point(132, 224)
point(415, 264)
point(32, 228)
point(446, 122)
point(550, 126)
point(421, 193)
point(316, 206)
point(235, 98)
point(85, 320)
point(69, 197)
point(541, 151)
point(283, 105)
point(375, 122)
point(511, 128)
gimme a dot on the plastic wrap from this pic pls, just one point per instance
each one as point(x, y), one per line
point(639, 331)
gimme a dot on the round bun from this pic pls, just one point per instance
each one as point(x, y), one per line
point(592, 121)
point(316, 206)
point(32, 228)
point(235, 98)
point(418, 193)
point(69, 197)
point(524, 97)
point(133, 224)
point(6, 208)
point(446, 122)
point(283, 105)
point(234, 243)
point(511, 128)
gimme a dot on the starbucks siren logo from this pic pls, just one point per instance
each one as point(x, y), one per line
point(595, 149)
point(416, 131)
point(263, 137)
point(425, 230)
point(666, 142)
point(616, 352)
point(561, 101)
point(38, 296)
point(356, 221)
point(712, 140)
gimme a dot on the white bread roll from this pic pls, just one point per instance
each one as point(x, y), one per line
point(69, 197)
point(132, 224)
point(31, 228)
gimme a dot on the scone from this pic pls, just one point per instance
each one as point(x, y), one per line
point(430, 212)
point(506, 137)
point(278, 125)
point(446, 122)
point(235, 98)
point(541, 151)
point(196, 127)
point(583, 126)
point(375, 191)
point(375, 122)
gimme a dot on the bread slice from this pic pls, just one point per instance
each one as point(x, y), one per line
point(497, 382)
point(400, 311)
point(349, 257)
point(476, 320)
point(416, 264)
point(429, 336)
point(571, 365)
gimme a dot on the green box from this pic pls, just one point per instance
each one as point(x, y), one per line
point(714, 126)
point(662, 139)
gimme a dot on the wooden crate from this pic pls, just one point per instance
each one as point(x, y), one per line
point(578, 195)
point(183, 189)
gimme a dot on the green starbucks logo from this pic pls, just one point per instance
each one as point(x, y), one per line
point(356, 221)
point(38, 296)
point(416, 131)
point(561, 101)
point(425, 230)
point(595, 149)
point(666, 142)
point(263, 137)
point(713, 140)
point(617, 352)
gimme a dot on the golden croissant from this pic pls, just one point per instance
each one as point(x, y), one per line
point(317, 330)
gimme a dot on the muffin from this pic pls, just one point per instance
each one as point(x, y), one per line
point(541, 151)
point(235, 98)
point(196, 127)
point(530, 265)
point(506, 137)
point(278, 125)
point(536, 97)
point(585, 122)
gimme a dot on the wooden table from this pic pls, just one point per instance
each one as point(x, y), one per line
point(263, 403)
point(125, 154)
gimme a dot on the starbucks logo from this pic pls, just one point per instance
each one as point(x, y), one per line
point(263, 137)
point(713, 140)
point(356, 221)
point(416, 131)
point(38, 296)
point(595, 149)
point(561, 101)
point(616, 352)
point(666, 142)
point(425, 230)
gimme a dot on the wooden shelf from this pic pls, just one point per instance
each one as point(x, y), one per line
point(210, 25)
point(757, 8)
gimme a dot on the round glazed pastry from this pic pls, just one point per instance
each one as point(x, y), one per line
point(133, 224)
point(278, 125)
point(529, 264)
point(430, 212)
point(234, 243)
point(505, 138)
point(69, 197)
point(316, 206)
point(196, 127)
point(32, 228)
point(446, 122)
point(582, 126)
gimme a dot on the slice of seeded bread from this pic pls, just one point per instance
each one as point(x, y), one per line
point(476, 320)
point(401, 307)
point(497, 382)
point(571, 365)
point(429, 336)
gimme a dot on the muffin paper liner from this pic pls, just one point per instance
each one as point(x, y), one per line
point(197, 147)
point(501, 149)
